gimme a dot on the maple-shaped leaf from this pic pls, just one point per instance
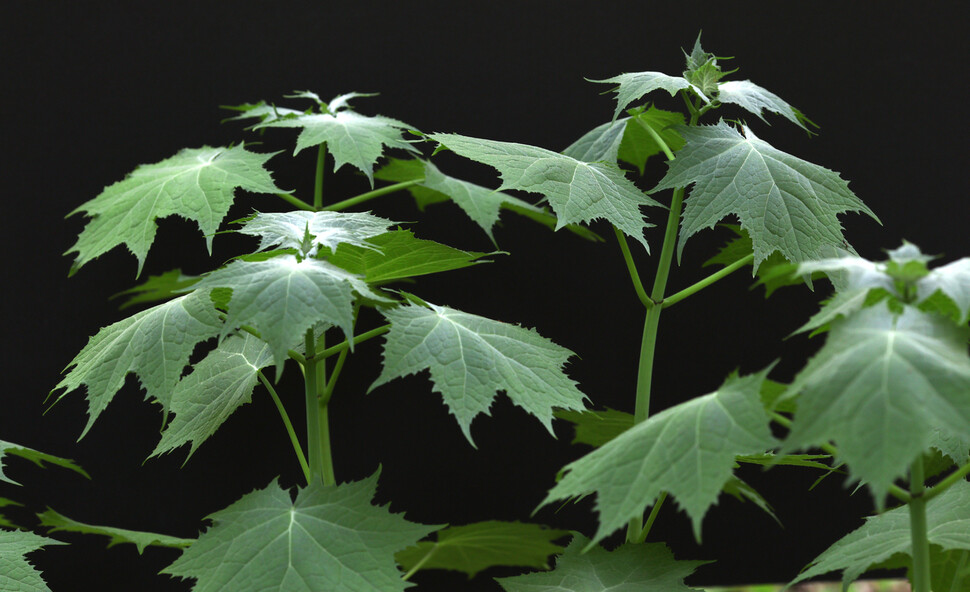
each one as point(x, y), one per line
point(284, 296)
point(262, 110)
point(687, 450)
point(878, 387)
point(55, 522)
point(633, 85)
point(36, 457)
point(627, 139)
point(882, 536)
point(154, 344)
point(786, 204)
point(953, 281)
point(16, 573)
point(629, 568)
point(472, 548)
point(471, 358)
point(398, 254)
point(288, 230)
point(330, 538)
point(577, 191)
point(196, 184)
point(753, 98)
point(217, 386)
point(352, 138)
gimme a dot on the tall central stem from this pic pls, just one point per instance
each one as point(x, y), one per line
point(918, 528)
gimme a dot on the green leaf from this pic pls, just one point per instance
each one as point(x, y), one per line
point(577, 191)
point(154, 344)
point(953, 281)
point(743, 492)
point(596, 427)
point(262, 110)
point(218, 385)
point(286, 230)
point(629, 568)
point(331, 538)
point(196, 184)
point(755, 99)
point(602, 143)
point(787, 205)
point(36, 457)
point(882, 536)
point(474, 547)
point(157, 288)
point(358, 140)
point(688, 451)
point(633, 85)
point(282, 297)
point(16, 573)
point(117, 536)
point(471, 358)
point(638, 144)
point(398, 254)
point(878, 387)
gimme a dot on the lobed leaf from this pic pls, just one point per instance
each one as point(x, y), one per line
point(879, 387)
point(288, 230)
point(16, 573)
point(284, 296)
point(629, 568)
point(472, 548)
point(471, 358)
point(330, 538)
point(753, 98)
point(157, 288)
point(154, 344)
point(398, 254)
point(786, 204)
point(596, 427)
point(882, 536)
point(218, 385)
point(196, 184)
point(688, 451)
point(56, 522)
point(632, 86)
point(36, 457)
point(577, 191)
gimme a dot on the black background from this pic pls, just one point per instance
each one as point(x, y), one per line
point(90, 90)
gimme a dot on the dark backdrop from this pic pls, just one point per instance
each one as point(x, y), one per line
point(90, 90)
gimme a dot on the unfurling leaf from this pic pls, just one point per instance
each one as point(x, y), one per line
point(16, 573)
point(358, 140)
point(879, 387)
point(331, 538)
point(154, 344)
point(116, 536)
point(786, 204)
point(471, 358)
point(36, 457)
point(286, 230)
point(633, 85)
point(630, 568)
point(882, 536)
point(196, 184)
point(217, 386)
point(688, 451)
point(283, 296)
point(472, 548)
point(577, 191)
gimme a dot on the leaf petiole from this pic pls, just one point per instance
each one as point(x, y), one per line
point(656, 138)
point(294, 201)
point(946, 483)
point(720, 274)
point(654, 512)
point(420, 564)
point(343, 345)
point(632, 268)
point(350, 202)
point(289, 425)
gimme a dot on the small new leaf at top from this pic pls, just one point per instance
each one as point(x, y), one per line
point(308, 231)
point(352, 138)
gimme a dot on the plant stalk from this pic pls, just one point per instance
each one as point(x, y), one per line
point(719, 274)
point(342, 205)
point(918, 528)
point(317, 426)
point(318, 178)
point(295, 201)
point(289, 425)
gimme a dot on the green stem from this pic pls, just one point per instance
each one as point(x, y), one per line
point(295, 201)
point(323, 391)
point(958, 575)
point(315, 444)
point(318, 177)
point(946, 483)
point(720, 274)
point(345, 345)
point(289, 425)
point(918, 529)
point(419, 564)
point(342, 205)
point(656, 138)
point(652, 517)
point(632, 268)
point(328, 391)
